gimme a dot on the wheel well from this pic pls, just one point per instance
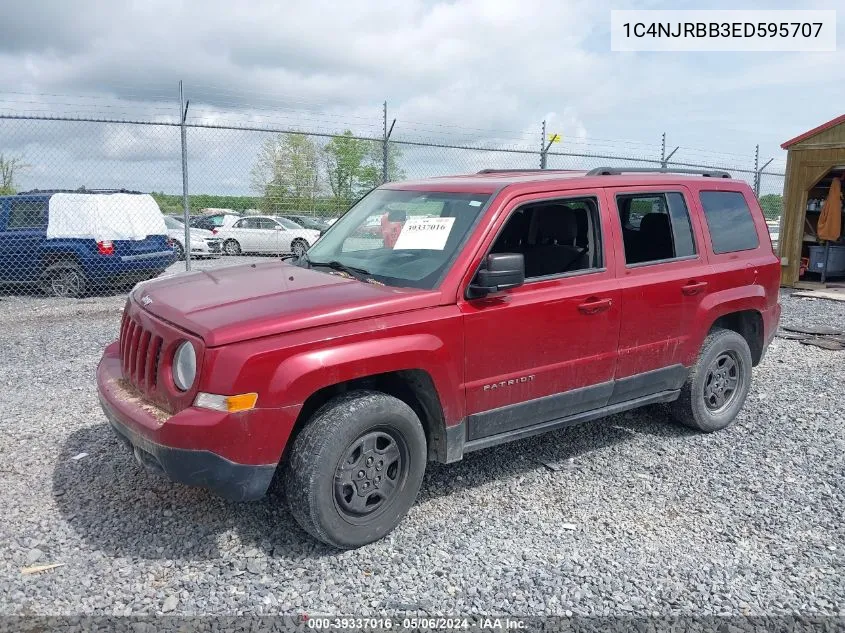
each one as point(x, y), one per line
point(414, 387)
point(52, 258)
point(749, 325)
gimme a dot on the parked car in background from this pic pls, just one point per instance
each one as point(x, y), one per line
point(532, 301)
point(73, 242)
point(774, 232)
point(209, 222)
point(308, 222)
point(203, 243)
point(266, 234)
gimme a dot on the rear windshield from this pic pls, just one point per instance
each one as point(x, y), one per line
point(729, 221)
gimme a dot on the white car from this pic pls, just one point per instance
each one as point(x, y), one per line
point(266, 234)
point(774, 232)
point(203, 243)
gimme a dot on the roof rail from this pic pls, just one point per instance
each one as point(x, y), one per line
point(508, 171)
point(80, 190)
point(616, 171)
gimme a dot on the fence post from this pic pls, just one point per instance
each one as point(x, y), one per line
point(758, 175)
point(757, 170)
point(664, 159)
point(183, 113)
point(386, 147)
point(543, 146)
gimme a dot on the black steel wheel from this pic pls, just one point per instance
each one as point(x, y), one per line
point(370, 473)
point(722, 380)
point(717, 385)
point(355, 468)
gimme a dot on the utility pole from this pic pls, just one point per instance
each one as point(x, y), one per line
point(183, 114)
point(757, 170)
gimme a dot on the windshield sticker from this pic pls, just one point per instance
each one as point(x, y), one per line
point(424, 234)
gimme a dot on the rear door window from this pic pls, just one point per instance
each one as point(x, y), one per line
point(729, 221)
point(655, 227)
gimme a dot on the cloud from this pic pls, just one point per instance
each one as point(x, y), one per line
point(464, 71)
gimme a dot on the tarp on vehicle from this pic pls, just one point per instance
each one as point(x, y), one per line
point(103, 217)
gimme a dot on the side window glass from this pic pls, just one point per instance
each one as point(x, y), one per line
point(27, 214)
point(655, 227)
point(555, 237)
point(681, 227)
point(729, 221)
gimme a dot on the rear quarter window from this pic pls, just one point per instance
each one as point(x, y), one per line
point(27, 214)
point(729, 221)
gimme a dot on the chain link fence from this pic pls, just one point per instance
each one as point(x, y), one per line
point(93, 205)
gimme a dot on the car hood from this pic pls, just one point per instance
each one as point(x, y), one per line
point(248, 301)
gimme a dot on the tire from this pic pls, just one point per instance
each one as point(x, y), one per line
point(336, 473)
point(298, 247)
point(178, 251)
point(231, 247)
point(64, 279)
point(717, 385)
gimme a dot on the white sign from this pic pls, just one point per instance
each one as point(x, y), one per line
point(424, 233)
point(723, 30)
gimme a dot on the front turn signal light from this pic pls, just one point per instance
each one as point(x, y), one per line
point(229, 404)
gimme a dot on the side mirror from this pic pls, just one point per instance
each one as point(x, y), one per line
point(500, 272)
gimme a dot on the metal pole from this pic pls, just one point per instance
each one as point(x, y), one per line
point(665, 162)
point(663, 150)
point(384, 146)
point(757, 170)
point(758, 177)
point(543, 146)
point(385, 153)
point(183, 111)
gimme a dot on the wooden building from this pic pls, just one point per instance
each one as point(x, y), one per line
point(813, 159)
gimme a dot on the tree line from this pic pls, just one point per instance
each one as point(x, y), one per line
point(294, 171)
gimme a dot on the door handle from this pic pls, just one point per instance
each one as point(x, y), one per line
point(594, 305)
point(694, 287)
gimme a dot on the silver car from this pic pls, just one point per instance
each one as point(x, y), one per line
point(203, 243)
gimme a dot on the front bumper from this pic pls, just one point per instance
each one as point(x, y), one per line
point(206, 248)
point(174, 445)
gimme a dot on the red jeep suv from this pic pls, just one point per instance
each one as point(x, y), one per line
point(505, 304)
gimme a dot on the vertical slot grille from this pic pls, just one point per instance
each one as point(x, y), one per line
point(140, 352)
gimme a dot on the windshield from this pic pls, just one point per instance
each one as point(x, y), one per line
point(172, 223)
point(400, 238)
point(308, 223)
point(287, 223)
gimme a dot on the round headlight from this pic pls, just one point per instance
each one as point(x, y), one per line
point(185, 366)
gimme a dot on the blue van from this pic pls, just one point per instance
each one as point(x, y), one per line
point(73, 248)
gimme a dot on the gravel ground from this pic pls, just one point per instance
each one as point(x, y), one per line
point(634, 516)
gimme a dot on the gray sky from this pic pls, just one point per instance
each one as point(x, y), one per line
point(476, 71)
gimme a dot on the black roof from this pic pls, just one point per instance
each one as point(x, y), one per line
point(33, 192)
